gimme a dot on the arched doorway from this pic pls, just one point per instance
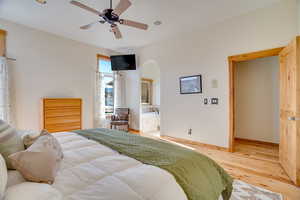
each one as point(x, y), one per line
point(150, 99)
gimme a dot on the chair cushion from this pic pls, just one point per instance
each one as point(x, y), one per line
point(10, 142)
point(119, 122)
point(122, 117)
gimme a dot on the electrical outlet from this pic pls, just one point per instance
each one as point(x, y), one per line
point(190, 131)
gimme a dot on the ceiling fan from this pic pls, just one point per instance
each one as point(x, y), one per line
point(112, 17)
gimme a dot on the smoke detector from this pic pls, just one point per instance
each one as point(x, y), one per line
point(41, 1)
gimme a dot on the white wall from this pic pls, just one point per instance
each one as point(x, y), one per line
point(257, 99)
point(132, 90)
point(48, 66)
point(150, 70)
point(205, 52)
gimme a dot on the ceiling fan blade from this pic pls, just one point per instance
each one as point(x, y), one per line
point(117, 32)
point(85, 27)
point(134, 24)
point(122, 7)
point(76, 3)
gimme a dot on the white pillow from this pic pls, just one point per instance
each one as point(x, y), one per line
point(3, 176)
point(32, 191)
point(14, 177)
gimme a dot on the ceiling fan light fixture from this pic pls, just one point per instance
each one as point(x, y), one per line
point(112, 17)
point(157, 23)
point(41, 1)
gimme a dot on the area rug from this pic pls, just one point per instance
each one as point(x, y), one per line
point(245, 191)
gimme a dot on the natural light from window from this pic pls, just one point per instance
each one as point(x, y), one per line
point(107, 82)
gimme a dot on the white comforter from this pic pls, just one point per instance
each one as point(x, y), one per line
point(91, 171)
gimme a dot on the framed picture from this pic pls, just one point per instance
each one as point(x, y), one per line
point(191, 84)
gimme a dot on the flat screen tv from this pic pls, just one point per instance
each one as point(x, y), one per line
point(123, 62)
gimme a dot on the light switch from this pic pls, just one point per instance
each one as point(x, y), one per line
point(214, 101)
point(205, 101)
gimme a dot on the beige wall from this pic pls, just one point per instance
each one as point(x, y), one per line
point(48, 66)
point(257, 99)
point(205, 52)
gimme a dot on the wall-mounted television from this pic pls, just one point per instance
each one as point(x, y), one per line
point(123, 62)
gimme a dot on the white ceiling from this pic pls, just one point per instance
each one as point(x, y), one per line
point(61, 18)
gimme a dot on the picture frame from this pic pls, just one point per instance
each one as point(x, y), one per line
point(190, 84)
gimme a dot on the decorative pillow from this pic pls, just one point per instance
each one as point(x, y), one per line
point(14, 178)
point(10, 142)
point(3, 176)
point(32, 191)
point(29, 139)
point(41, 161)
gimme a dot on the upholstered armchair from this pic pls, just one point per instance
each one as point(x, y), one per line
point(120, 118)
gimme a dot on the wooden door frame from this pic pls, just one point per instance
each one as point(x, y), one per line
point(232, 61)
point(2, 42)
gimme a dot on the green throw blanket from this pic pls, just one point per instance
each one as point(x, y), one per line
point(199, 176)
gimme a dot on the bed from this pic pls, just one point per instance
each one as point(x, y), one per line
point(91, 171)
point(150, 122)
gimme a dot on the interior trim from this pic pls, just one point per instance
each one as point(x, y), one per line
point(2, 42)
point(103, 57)
point(232, 61)
point(134, 131)
point(3, 32)
point(180, 140)
point(256, 141)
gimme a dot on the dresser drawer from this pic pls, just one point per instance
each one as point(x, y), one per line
point(62, 119)
point(64, 111)
point(54, 103)
point(52, 128)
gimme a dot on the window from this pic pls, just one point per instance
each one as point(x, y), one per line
point(107, 84)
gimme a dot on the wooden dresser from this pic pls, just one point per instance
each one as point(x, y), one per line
point(61, 114)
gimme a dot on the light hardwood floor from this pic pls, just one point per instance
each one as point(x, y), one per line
point(253, 163)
